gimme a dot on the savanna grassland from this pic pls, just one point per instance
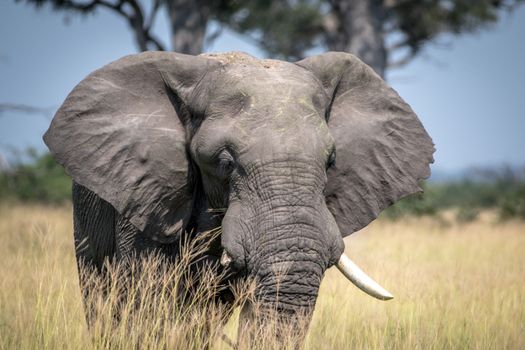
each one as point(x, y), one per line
point(456, 286)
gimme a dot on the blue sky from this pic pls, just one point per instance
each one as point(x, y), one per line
point(469, 95)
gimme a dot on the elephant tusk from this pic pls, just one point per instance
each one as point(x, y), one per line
point(225, 259)
point(361, 279)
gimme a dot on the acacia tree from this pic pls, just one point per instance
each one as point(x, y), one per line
point(384, 33)
point(188, 19)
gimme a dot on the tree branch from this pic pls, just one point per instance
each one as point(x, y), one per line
point(156, 42)
point(396, 46)
point(135, 17)
point(115, 7)
point(213, 36)
point(136, 21)
point(403, 61)
point(21, 108)
point(153, 14)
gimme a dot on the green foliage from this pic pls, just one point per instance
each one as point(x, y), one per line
point(467, 214)
point(40, 179)
point(422, 21)
point(503, 190)
point(418, 204)
point(512, 204)
point(284, 29)
point(288, 29)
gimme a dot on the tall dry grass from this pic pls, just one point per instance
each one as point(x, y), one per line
point(455, 286)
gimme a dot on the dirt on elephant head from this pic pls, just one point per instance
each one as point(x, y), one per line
point(238, 57)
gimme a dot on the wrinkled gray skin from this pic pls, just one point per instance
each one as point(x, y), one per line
point(157, 141)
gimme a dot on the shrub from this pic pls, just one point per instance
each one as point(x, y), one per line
point(40, 179)
point(512, 203)
point(418, 204)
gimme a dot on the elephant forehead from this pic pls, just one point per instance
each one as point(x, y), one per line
point(277, 83)
point(280, 103)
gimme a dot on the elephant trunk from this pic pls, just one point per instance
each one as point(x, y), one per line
point(279, 231)
point(289, 256)
point(287, 262)
point(286, 288)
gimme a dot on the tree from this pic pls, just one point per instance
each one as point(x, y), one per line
point(131, 10)
point(384, 33)
point(188, 18)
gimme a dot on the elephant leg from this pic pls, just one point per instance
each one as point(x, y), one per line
point(94, 235)
point(131, 245)
point(131, 248)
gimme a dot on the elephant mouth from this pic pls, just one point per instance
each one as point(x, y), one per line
point(349, 269)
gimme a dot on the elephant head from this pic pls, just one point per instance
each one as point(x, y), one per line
point(296, 155)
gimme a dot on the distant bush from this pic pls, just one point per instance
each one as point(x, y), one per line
point(501, 189)
point(467, 214)
point(512, 204)
point(418, 204)
point(38, 179)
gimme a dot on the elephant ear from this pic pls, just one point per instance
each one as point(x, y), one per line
point(119, 133)
point(383, 151)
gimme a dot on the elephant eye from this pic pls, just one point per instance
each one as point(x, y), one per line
point(226, 163)
point(331, 160)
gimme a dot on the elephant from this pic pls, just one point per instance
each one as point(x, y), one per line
point(288, 158)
